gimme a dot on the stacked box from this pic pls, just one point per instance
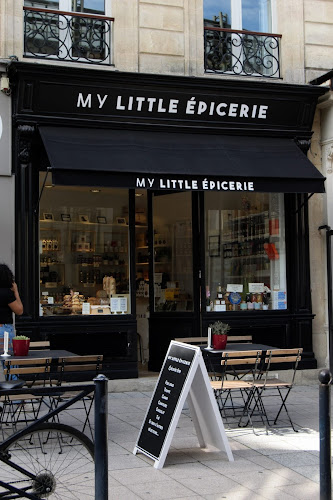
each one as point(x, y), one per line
point(279, 299)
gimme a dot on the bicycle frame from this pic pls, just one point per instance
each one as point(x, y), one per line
point(83, 390)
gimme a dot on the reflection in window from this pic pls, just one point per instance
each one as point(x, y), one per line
point(173, 262)
point(245, 252)
point(92, 6)
point(84, 257)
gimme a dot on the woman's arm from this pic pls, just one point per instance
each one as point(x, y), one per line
point(16, 306)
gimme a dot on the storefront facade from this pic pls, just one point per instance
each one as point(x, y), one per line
point(155, 205)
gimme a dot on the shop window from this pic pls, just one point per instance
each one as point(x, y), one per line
point(235, 43)
point(84, 256)
point(173, 260)
point(245, 252)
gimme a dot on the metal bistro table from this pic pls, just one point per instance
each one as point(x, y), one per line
point(55, 354)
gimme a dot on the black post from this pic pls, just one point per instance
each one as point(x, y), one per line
point(325, 434)
point(101, 437)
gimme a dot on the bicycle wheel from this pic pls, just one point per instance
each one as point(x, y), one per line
point(61, 459)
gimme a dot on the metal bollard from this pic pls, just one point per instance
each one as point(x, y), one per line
point(325, 378)
point(101, 437)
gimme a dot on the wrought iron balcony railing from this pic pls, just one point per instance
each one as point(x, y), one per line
point(244, 53)
point(70, 36)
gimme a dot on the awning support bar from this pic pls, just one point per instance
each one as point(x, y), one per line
point(300, 208)
point(41, 191)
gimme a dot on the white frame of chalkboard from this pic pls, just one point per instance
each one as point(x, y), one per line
point(203, 407)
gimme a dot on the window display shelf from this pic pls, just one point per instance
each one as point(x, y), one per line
point(255, 256)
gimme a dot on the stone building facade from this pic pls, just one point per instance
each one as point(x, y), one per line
point(165, 37)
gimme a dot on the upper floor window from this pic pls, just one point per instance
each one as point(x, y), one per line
point(90, 6)
point(237, 38)
point(249, 15)
point(75, 30)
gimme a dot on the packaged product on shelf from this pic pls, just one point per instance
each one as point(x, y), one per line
point(109, 285)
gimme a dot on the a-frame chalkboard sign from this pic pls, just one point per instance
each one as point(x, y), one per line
point(183, 376)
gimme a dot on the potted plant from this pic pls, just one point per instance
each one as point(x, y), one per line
point(21, 345)
point(219, 334)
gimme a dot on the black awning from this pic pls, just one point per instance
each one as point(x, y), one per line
point(170, 160)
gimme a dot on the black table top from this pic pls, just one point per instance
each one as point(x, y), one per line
point(45, 353)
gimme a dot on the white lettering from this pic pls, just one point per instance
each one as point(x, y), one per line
point(232, 186)
point(151, 101)
point(173, 105)
point(140, 183)
point(224, 185)
point(250, 186)
point(218, 108)
point(130, 103)
point(101, 101)
point(160, 109)
point(151, 182)
point(233, 109)
point(140, 100)
point(254, 111)
point(205, 184)
point(239, 186)
point(119, 105)
point(190, 106)
point(82, 102)
point(244, 111)
point(202, 106)
point(262, 111)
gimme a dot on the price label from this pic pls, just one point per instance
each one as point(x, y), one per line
point(256, 287)
point(85, 308)
point(233, 287)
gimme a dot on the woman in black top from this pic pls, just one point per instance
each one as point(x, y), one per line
point(10, 303)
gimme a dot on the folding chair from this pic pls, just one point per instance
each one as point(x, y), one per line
point(193, 340)
point(30, 372)
point(75, 367)
point(285, 358)
point(239, 339)
point(236, 394)
point(39, 345)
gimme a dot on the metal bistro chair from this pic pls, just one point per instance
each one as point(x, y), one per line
point(285, 359)
point(192, 340)
point(235, 395)
point(31, 372)
point(78, 368)
point(39, 345)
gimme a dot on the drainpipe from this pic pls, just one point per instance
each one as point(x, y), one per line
point(329, 233)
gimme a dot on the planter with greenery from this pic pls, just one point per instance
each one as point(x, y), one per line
point(21, 345)
point(219, 334)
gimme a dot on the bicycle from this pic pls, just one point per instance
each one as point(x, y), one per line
point(47, 459)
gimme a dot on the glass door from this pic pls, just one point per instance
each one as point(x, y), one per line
point(173, 253)
point(174, 279)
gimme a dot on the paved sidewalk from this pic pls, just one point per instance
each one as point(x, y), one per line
point(280, 464)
